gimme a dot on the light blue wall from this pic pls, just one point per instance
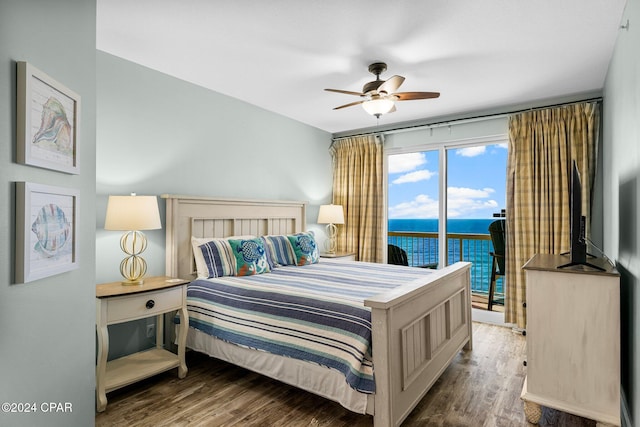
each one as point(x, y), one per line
point(157, 134)
point(621, 158)
point(47, 327)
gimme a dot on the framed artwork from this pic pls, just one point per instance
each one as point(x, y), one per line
point(48, 120)
point(46, 225)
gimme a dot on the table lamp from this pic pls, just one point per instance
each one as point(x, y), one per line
point(132, 214)
point(331, 215)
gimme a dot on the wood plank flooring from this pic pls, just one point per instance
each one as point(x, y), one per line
point(480, 388)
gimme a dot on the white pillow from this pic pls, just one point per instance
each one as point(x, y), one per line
point(201, 265)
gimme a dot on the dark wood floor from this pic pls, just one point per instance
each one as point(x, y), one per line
point(481, 388)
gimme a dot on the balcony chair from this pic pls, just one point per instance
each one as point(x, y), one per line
point(398, 256)
point(497, 233)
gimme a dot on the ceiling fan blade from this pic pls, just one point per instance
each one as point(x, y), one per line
point(391, 85)
point(408, 96)
point(349, 105)
point(347, 92)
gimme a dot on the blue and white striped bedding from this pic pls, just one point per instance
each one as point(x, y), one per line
point(313, 313)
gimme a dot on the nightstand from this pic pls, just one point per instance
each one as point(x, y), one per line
point(340, 256)
point(117, 303)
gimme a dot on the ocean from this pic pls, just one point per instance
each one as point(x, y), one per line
point(425, 251)
point(474, 226)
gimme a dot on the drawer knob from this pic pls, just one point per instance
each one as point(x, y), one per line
point(150, 304)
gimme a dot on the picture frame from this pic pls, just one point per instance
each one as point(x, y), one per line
point(48, 116)
point(46, 231)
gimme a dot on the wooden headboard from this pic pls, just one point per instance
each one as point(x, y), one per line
point(216, 217)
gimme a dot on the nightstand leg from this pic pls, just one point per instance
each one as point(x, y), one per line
point(101, 367)
point(182, 342)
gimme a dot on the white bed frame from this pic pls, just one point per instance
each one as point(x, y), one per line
point(417, 329)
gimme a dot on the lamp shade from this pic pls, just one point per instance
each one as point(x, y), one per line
point(133, 212)
point(378, 106)
point(331, 214)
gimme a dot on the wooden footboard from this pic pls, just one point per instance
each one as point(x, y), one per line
point(417, 331)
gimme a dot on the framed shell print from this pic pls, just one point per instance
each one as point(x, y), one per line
point(46, 224)
point(48, 116)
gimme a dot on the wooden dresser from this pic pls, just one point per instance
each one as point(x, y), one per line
point(573, 339)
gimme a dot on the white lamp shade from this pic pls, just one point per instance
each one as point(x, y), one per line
point(379, 106)
point(125, 213)
point(331, 214)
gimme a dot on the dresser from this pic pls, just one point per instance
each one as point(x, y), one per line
point(117, 303)
point(573, 339)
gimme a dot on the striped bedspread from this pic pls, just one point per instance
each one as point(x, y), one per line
point(313, 313)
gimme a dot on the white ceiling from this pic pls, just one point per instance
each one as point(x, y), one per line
point(281, 54)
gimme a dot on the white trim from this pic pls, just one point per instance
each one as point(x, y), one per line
point(491, 317)
point(442, 206)
point(452, 143)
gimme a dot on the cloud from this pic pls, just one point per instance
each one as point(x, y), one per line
point(421, 175)
point(469, 193)
point(422, 206)
point(472, 151)
point(462, 203)
point(399, 163)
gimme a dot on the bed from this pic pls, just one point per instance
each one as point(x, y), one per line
point(416, 328)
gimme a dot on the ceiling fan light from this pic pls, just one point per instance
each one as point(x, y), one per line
point(377, 107)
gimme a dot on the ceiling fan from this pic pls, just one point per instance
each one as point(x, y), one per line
point(380, 95)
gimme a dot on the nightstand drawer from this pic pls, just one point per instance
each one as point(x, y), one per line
point(129, 307)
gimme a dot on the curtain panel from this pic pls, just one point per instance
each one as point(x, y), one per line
point(542, 147)
point(358, 187)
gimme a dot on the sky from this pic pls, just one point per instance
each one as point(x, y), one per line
point(476, 183)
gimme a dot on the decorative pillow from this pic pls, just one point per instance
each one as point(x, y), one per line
point(250, 256)
point(219, 258)
point(279, 251)
point(201, 265)
point(305, 247)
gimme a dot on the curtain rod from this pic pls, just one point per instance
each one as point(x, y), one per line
point(473, 119)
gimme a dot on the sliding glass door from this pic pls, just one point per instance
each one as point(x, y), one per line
point(414, 205)
point(440, 204)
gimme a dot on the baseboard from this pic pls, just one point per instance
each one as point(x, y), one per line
point(624, 411)
point(484, 316)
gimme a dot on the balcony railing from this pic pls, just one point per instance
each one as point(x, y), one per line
point(422, 249)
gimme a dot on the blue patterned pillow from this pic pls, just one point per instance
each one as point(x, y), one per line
point(305, 247)
point(219, 258)
point(279, 251)
point(250, 257)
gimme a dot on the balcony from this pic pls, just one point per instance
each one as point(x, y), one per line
point(422, 249)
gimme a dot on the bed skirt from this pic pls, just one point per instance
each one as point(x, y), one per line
point(308, 376)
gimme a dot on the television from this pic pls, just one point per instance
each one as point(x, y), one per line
point(578, 246)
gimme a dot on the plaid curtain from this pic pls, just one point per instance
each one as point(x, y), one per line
point(542, 147)
point(358, 187)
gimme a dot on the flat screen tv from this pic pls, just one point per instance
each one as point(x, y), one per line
point(578, 245)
